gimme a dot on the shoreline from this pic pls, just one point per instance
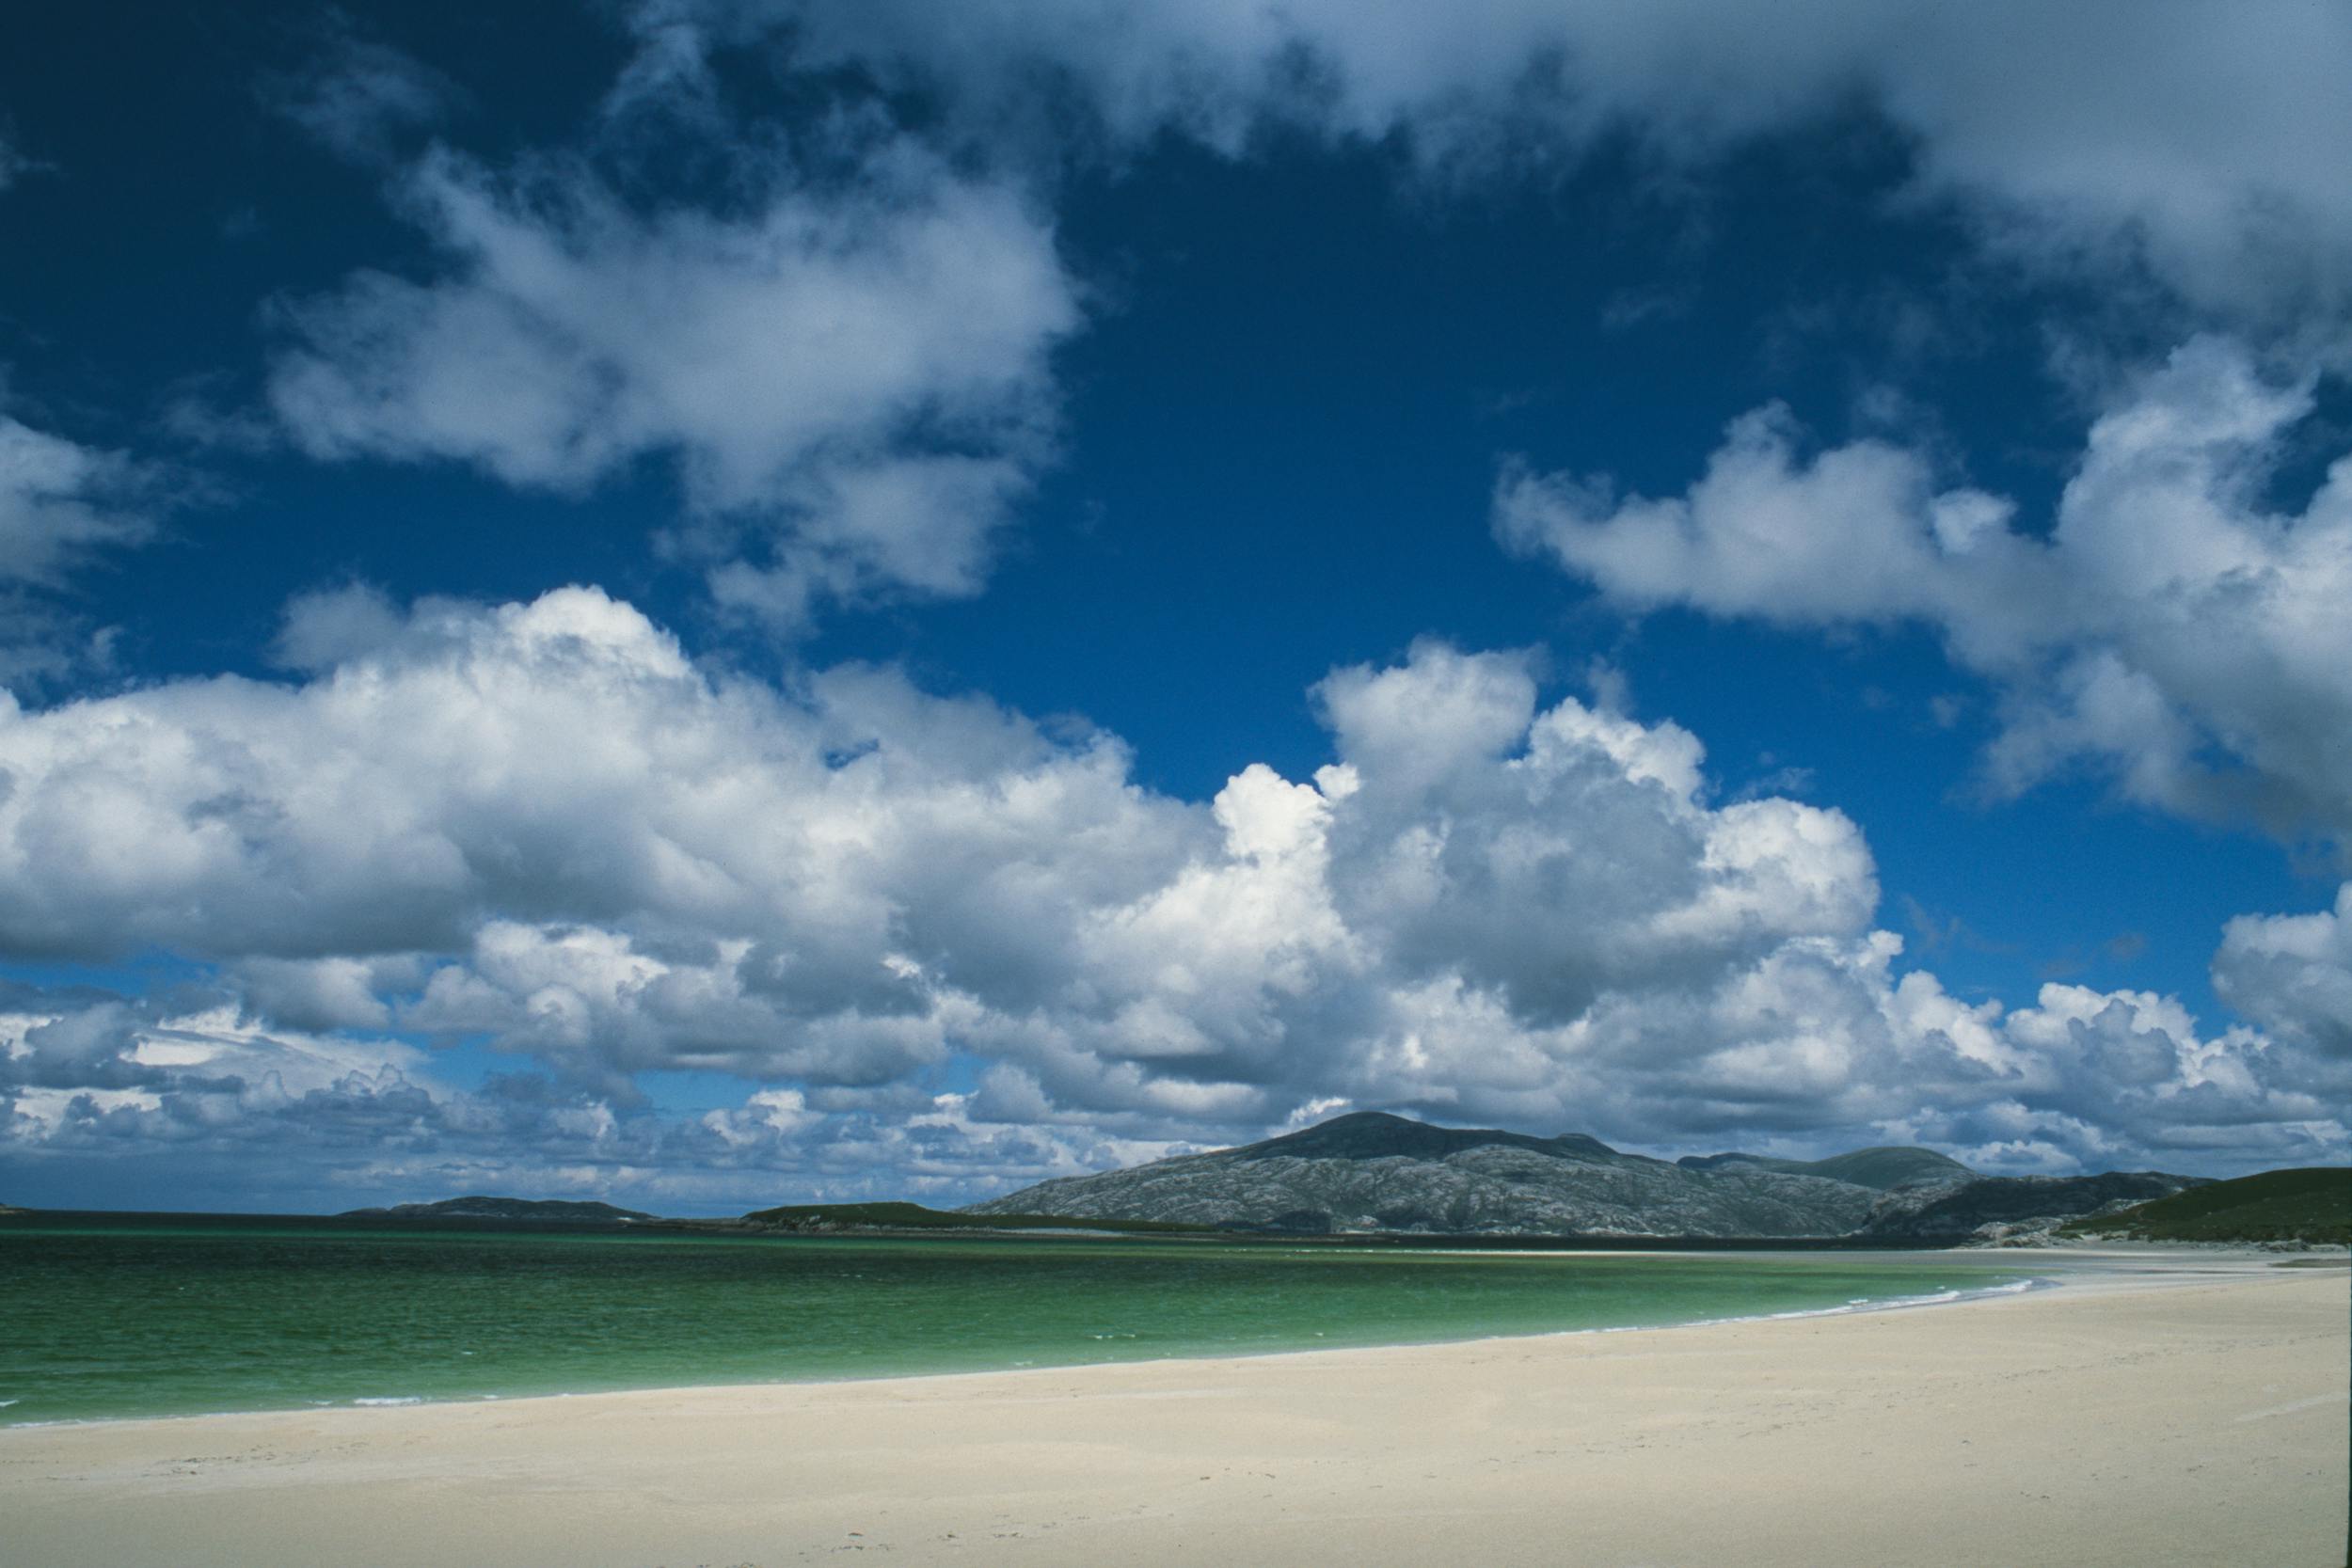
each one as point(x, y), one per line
point(1951, 1298)
point(2095, 1266)
point(2191, 1416)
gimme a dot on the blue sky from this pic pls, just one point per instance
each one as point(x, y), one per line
point(717, 603)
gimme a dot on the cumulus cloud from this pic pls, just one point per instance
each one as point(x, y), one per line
point(2293, 974)
point(1857, 533)
point(2174, 627)
point(2203, 151)
point(851, 372)
point(542, 828)
point(557, 760)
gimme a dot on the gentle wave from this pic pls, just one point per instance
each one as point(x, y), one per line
point(1857, 1304)
point(1889, 1304)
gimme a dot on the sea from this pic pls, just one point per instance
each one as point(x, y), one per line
point(107, 1317)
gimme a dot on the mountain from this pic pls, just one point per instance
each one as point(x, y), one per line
point(1881, 1168)
point(1370, 1171)
point(479, 1208)
point(2310, 1204)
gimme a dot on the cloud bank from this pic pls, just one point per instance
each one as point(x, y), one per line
point(541, 826)
point(937, 943)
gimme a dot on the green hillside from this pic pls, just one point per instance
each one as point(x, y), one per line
point(2313, 1204)
point(1884, 1169)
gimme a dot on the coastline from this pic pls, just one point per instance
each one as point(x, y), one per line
point(1954, 1297)
point(2185, 1410)
point(964, 1309)
point(2113, 1266)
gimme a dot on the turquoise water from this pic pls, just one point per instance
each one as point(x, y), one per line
point(115, 1320)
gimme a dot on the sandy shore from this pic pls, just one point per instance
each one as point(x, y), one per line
point(2147, 1413)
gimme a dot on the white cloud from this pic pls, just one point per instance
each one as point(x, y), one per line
point(2174, 627)
point(855, 371)
point(555, 761)
point(1857, 534)
point(62, 503)
point(670, 71)
point(2293, 974)
point(64, 508)
point(541, 826)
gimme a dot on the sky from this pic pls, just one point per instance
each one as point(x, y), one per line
point(721, 602)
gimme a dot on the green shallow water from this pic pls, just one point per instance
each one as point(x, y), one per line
point(103, 1321)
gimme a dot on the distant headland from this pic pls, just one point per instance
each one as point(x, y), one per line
point(480, 1207)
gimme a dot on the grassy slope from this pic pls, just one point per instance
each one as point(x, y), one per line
point(2313, 1204)
point(1884, 1168)
point(914, 1216)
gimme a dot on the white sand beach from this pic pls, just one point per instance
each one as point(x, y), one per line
point(2191, 1415)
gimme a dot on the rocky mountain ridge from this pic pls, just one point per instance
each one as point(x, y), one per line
point(1370, 1171)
